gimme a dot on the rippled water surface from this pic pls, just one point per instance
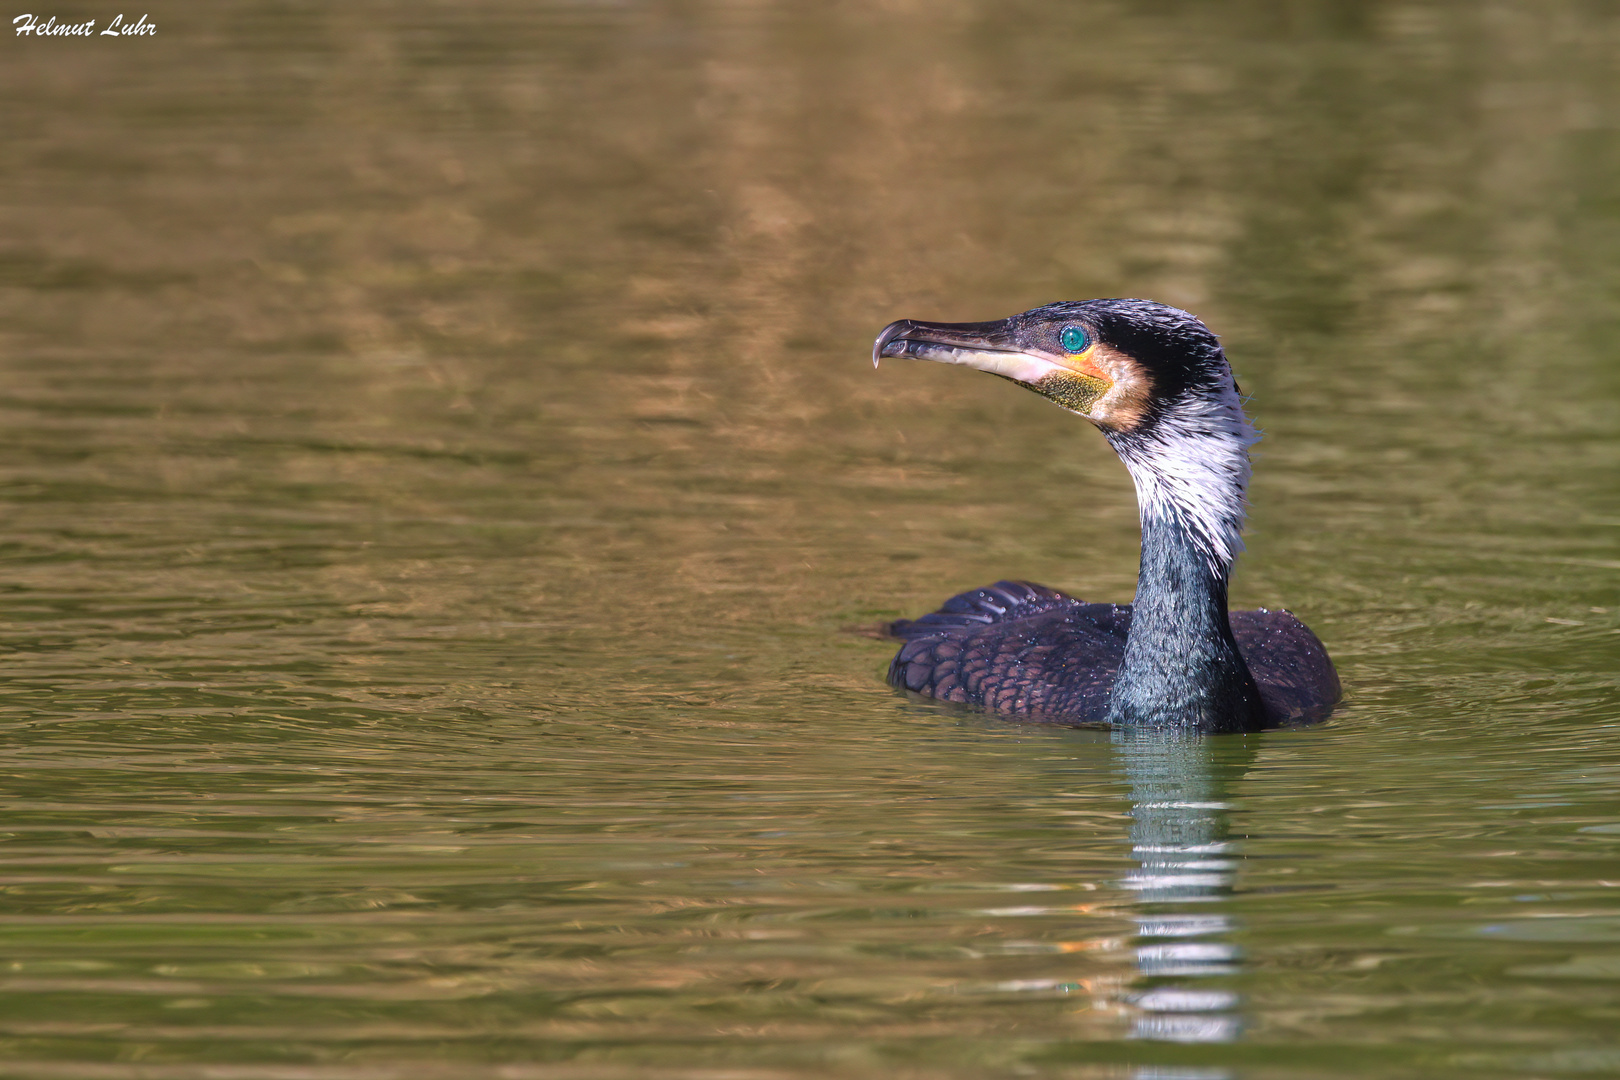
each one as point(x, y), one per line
point(442, 469)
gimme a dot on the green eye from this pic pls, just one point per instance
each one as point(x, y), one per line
point(1074, 338)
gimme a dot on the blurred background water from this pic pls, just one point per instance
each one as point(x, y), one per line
point(441, 465)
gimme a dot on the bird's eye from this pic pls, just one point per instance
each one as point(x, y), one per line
point(1074, 339)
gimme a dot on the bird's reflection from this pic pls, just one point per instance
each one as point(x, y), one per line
point(1179, 835)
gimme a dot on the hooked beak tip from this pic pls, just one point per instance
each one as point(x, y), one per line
point(890, 332)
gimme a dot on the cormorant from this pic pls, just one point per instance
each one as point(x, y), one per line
point(1155, 381)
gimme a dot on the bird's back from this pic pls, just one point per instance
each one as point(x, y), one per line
point(1039, 654)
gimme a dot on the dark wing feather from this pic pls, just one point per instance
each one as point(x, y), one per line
point(1289, 664)
point(1039, 654)
point(1017, 648)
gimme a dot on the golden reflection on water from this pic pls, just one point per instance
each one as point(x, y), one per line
point(440, 456)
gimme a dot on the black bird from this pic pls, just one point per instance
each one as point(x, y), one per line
point(1155, 381)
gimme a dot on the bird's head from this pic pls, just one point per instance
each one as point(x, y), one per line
point(1122, 364)
point(1152, 377)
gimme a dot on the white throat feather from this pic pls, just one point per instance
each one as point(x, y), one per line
point(1191, 468)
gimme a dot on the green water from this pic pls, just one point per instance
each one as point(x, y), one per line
point(441, 467)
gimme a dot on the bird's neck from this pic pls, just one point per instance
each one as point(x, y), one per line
point(1182, 667)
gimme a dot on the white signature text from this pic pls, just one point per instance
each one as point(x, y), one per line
point(32, 24)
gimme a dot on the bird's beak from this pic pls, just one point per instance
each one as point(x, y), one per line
point(988, 346)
